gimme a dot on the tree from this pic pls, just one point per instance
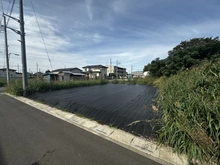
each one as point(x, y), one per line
point(185, 55)
point(47, 71)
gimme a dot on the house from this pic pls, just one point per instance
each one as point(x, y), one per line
point(12, 74)
point(49, 76)
point(116, 71)
point(18, 75)
point(38, 74)
point(30, 75)
point(65, 74)
point(95, 71)
point(74, 70)
point(68, 75)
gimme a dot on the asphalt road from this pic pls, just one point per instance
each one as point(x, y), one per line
point(31, 137)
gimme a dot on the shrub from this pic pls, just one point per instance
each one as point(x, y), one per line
point(16, 88)
point(139, 80)
point(3, 82)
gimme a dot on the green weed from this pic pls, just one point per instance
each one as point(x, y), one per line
point(190, 115)
point(15, 87)
point(3, 82)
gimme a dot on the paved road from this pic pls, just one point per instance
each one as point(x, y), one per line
point(2, 89)
point(32, 137)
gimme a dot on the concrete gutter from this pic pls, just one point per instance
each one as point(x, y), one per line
point(147, 148)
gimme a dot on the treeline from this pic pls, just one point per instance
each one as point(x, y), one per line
point(184, 56)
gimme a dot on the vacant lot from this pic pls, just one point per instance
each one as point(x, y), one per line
point(115, 105)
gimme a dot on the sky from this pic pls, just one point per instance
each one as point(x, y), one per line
point(129, 33)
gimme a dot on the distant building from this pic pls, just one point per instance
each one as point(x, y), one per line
point(12, 73)
point(18, 75)
point(38, 75)
point(137, 74)
point(95, 71)
point(116, 71)
point(65, 74)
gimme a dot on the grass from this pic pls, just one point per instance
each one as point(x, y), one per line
point(139, 80)
point(16, 88)
point(80, 115)
point(190, 115)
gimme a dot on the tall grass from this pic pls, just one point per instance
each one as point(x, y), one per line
point(139, 80)
point(15, 87)
point(190, 103)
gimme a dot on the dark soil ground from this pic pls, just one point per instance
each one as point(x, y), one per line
point(116, 105)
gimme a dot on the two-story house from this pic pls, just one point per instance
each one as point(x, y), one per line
point(95, 71)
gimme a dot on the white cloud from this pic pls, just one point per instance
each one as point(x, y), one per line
point(134, 33)
point(120, 6)
point(57, 46)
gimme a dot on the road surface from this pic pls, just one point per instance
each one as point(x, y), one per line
point(31, 137)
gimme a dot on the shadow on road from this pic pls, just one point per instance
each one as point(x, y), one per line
point(2, 159)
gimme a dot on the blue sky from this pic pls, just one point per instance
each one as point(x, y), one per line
point(90, 32)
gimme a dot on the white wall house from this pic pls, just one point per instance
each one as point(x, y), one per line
point(95, 71)
point(117, 71)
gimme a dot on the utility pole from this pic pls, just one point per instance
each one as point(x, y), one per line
point(6, 51)
point(18, 67)
point(37, 70)
point(116, 69)
point(131, 70)
point(110, 69)
point(23, 50)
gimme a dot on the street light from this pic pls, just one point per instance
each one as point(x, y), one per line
point(12, 54)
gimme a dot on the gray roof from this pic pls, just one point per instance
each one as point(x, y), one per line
point(9, 69)
point(94, 66)
point(66, 69)
point(67, 72)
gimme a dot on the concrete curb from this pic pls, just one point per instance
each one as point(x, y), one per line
point(150, 149)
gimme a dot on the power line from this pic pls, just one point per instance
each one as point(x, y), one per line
point(41, 34)
point(3, 12)
point(12, 7)
point(2, 6)
point(8, 6)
